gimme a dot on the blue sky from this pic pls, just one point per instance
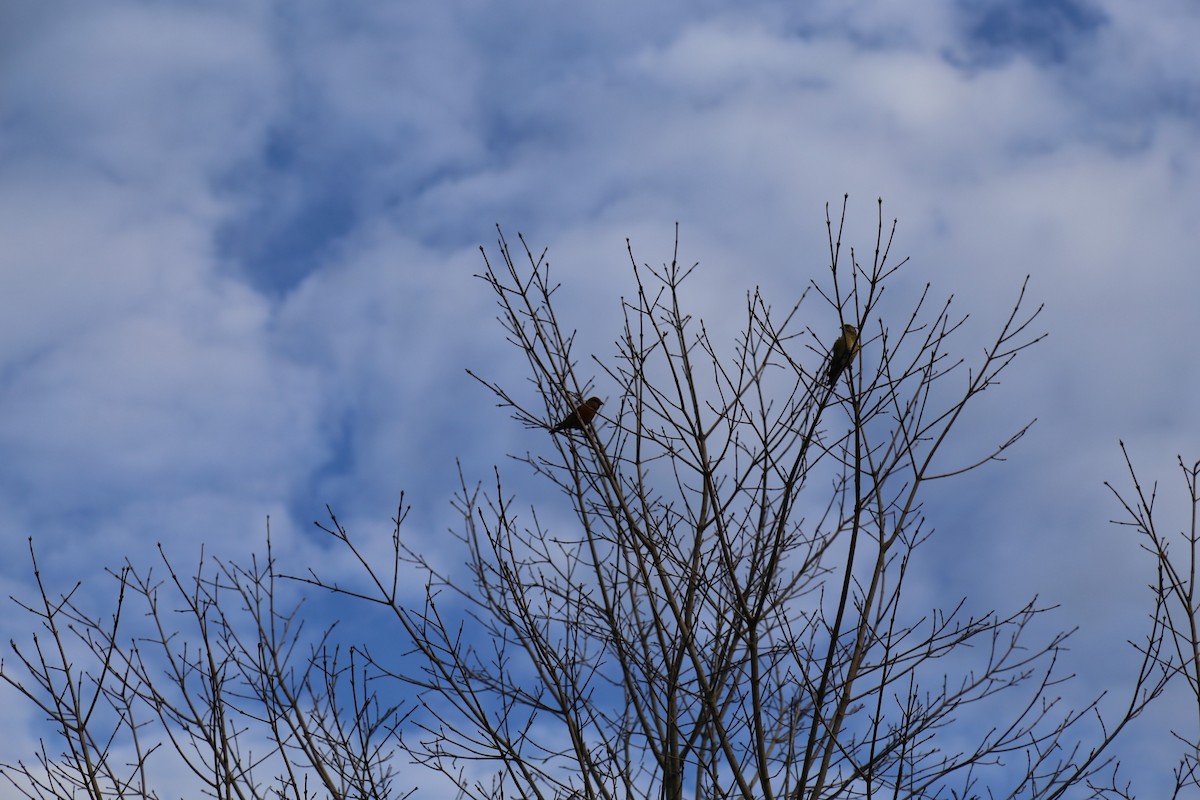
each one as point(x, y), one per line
point(238, 240)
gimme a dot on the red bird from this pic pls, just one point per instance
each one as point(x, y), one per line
point(581, 416)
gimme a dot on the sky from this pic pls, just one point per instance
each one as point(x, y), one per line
point(239, 240)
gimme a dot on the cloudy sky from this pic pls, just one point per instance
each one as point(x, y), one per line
point(238, 240)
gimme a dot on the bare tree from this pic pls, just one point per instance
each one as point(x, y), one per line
point(1176, 595)
point(726, 616)
point(727, 612)
point(215, 686)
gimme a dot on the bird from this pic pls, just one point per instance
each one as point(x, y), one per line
point(582, 415)
point(844, 351)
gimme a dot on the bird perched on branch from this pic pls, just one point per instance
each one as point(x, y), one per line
point(581, 416)
point(844, 351)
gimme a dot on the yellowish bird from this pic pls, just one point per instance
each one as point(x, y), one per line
point(844, 351)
